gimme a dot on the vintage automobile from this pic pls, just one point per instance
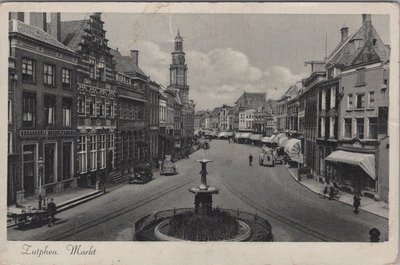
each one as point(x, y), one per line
point(168, 167)
point(142, 174)
point(266, 158)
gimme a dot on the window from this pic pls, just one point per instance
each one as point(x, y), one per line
point(101, 68)
point(93, 152)
point(67, 106)
point(347, 128)
point(322, 127)
point(101, 107)
point(10, 145)
point(92, 68)
point(373, 128)
point(81, 104)
point(10, 111)
point(111, 108)
point(48, 74)
point(360, 101)
point(360, 77)
point(102, 148)
point(66, 78)
point(50, 109)
point(29, 110)
point(28, 70)
point(323, 100)
point(332, 127)
point(360, 128)
point(371, 99)
point(92, 106)
point(333, 98)
point(350, 101)
point(82, 154)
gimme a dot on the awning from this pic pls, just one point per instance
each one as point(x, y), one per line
point(282, 141)
point(272, 138)
point(229, 134)
point(256, 137)
point(245, 135)
point(293, 149)
point(278, 137)
point(222, 134)
point(237, 135)
point(266, 139)
point(365, 161)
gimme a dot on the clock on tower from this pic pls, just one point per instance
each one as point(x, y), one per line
point(178, 69)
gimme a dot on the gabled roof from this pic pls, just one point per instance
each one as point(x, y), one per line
point(215, 112)
point(253, 95)
point(17, 26)
point(271, 103)
point(125, 64)
point(372, 49)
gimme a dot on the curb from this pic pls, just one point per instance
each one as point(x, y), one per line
point(295, 178)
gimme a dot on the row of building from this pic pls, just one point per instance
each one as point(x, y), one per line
point(80, 112)
point(339, 113)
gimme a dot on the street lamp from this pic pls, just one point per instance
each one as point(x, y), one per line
point(40, 167)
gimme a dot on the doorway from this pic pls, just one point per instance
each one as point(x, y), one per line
point(29, 169)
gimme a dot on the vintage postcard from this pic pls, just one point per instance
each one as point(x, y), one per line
point(199, 133)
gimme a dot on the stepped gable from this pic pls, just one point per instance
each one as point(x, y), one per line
point(72, 32)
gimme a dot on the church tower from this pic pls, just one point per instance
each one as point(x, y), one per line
point(178, 69)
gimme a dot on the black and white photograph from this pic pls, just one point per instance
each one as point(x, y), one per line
point(254, 128)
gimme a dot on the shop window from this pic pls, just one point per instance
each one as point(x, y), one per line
point(50, 163)
point(49, 74)
point(29, 110)
point(28, 70)
point(102, 148)
point(360, 128)
point(93, 152)
point(82, 154)
point(67, 160)
point(50, 110)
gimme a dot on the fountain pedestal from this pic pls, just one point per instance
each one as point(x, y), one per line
point(203, 193)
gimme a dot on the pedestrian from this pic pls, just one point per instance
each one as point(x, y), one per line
point(250, 160)
point(356, 203)
point(326, 189)
point(51, 210)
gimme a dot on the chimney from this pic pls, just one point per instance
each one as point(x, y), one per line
point(17, 16)
point(135, 56)
point(38, 20)
point(366, 18)
point(345, 32)
point(55, 25)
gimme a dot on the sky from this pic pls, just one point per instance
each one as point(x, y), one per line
point(228, 54)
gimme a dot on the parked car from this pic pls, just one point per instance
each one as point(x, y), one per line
point(168, 167)
point(266, 158)
point(142, 174)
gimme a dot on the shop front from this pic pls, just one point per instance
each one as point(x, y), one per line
point(355, 172)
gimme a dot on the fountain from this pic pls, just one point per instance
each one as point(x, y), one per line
point(203, 223)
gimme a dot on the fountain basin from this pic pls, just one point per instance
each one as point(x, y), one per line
point(161, 230)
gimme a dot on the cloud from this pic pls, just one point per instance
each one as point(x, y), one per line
point(219, 76)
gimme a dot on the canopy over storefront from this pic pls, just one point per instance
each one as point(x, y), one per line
point(222, 134)
point(238, 135)
point(279, 137)
point(365, 161)
point(282, 141)
point(266, 139)
point(272, 138)
point(229, 134)
point(246, 135)
point(293, 149)
point(256, 137)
